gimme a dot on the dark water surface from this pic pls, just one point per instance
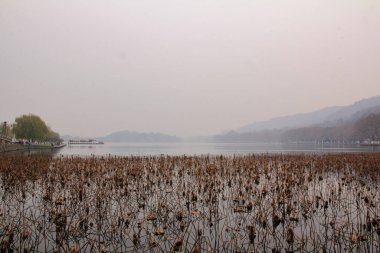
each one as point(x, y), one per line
point(185, 148)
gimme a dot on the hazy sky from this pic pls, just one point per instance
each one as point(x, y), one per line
point(184, 67)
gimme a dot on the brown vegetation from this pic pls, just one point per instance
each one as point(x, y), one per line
point(276, 203)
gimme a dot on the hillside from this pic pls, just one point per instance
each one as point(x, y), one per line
point(358, 121)
point(364, 128)
point(367, 127)
point(330, 116)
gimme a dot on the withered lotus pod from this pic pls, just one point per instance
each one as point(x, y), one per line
point(151, 217)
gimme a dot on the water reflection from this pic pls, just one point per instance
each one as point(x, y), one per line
point(184, 148)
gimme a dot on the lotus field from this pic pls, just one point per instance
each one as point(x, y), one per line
point(242, 203)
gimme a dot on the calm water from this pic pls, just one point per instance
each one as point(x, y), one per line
point(209, 148)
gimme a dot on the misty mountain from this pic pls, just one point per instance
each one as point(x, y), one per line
point(131, 136)
point(330, 116)
point(358, 121)
point(367, 127)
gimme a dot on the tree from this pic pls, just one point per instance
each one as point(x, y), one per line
point(53, 136)
point(31, 127)
point(368, 128)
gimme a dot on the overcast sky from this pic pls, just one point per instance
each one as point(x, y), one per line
point(183, 67)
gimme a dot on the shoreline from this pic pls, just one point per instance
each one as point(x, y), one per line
point(7, 148)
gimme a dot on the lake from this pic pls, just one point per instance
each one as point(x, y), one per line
point(186, 148)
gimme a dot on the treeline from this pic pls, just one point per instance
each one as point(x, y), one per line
point(365, 128)
point(29, 127)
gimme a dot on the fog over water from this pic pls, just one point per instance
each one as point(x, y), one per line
point(188, 149)
point(187, 68)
